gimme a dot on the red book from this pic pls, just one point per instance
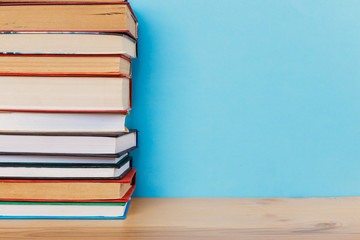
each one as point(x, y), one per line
point(69, 190)
point(124, 199)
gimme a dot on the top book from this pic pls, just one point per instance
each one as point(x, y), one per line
point(67, 17)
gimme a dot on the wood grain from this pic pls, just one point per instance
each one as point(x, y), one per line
point(216, 218)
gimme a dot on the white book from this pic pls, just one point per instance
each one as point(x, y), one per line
point(68, 143)
point(63, 210)
point(66, 43)
point(20, 158)
point(65, 170)
point(65, 93)
point(61, 122)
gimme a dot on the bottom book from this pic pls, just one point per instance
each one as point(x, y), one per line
point(63, 210)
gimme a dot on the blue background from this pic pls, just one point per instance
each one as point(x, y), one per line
point(247, 98)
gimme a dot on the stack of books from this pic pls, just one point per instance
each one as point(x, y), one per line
point(65, 91)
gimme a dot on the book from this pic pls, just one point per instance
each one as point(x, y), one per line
point(67, 189)
point(67, 43)
point(64, 1)
point(80, 17)
point(65, 93)
point(63, 210)
point(65, 64)
point(68, 144)
point(62, 122)
point(123, 199)
point(65, 170)
point(60, 159)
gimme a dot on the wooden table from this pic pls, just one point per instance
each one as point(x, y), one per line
point(217, 218)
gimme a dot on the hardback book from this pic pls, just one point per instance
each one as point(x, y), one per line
point(62, 122)
point(65, 64)
point(67, 189)
point(80, 17)
point(67, 144)
point(63, 210)
point(58, 93)
point(65, 170)
point(11, 158)
point(64, 1)
point(67, 43)
point(125, 198)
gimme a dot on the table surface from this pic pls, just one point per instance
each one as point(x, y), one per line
point(207, 218)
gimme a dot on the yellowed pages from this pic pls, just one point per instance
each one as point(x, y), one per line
point(95, 17)
point(64, 65)
point(63, 190)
